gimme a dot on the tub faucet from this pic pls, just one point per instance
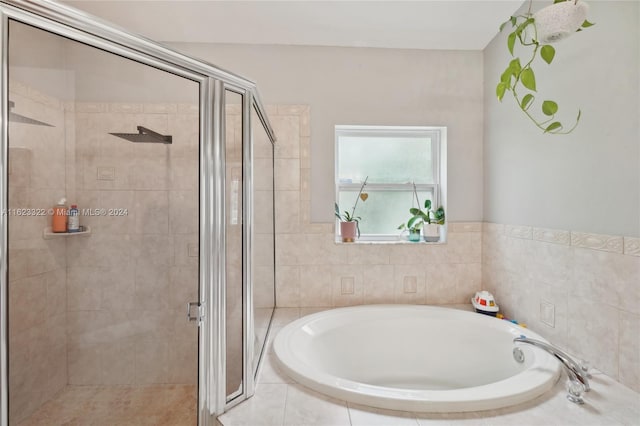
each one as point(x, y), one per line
point(578, 374)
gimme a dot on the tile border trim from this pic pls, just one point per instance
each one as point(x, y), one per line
point(610, 243)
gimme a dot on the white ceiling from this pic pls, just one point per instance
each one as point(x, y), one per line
point(425, 24)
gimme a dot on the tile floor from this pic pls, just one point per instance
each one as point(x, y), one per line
point(281, 402)
point(166, 405)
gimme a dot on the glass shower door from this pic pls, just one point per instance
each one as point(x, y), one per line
point(96, 296)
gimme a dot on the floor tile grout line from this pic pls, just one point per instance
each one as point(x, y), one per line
point(284, 409)
point(348, 412)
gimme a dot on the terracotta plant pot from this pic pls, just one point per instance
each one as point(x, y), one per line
point(348, 231)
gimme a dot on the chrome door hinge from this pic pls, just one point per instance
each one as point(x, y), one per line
point(199, 315)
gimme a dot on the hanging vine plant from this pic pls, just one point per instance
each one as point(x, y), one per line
point(534, 33)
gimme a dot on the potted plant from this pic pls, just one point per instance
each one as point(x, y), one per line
point(433, 230)
point(418, 218)
point(427, 220)
point(349, 222)
point(534, 33)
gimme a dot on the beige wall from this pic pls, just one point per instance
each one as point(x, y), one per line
point(584, 186)
point(376, 87)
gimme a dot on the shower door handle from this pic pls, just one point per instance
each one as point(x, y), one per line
point(198, 317)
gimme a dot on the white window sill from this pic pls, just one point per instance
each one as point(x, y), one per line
point(389, 242)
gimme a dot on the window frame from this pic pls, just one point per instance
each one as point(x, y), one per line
point(438, 137)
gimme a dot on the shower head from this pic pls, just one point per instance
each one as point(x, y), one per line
point(144, 135)
point(17, 118)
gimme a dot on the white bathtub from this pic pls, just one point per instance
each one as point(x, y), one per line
point(414, 358)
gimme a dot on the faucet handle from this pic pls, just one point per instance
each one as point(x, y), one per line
point(585, 367)
point(574, 391)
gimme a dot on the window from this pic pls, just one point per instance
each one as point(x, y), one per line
point(392, 159)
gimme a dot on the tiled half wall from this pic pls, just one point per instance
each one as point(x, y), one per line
point(580, 291)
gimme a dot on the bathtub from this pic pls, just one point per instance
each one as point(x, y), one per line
point(414, 358)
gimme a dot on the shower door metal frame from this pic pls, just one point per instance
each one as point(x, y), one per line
point(71, 23)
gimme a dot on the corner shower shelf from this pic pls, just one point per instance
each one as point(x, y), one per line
point(48, 234)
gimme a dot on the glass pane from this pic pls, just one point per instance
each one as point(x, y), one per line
point(264, 258)
point(97, 317)
point(385, 159)
point(234, 240)
point(383, 211)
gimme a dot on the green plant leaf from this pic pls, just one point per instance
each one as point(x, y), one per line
point(514, 21)
point(511, 42)
point(549, 108)
point(515, 66)
point(506, 76)
point(500, 89)
point(528, 79)
point(427, 204)
point(503, 25)
point(526, 101)
point(547, 52)
point(556, 125)
point(579, 115)
point(587, 24)
point(412, 221)
point(558, 1)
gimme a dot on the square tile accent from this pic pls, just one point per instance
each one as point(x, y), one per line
point(347, 285)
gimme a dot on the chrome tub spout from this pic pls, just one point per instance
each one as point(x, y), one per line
point(578, 375)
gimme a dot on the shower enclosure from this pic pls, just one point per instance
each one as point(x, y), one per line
point(157, 308)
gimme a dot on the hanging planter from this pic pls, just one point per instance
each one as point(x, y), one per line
point(534, 33)
point(559, 20)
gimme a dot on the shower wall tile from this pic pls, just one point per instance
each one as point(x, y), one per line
point(287, 174)
point(160, 108)
point(183, 212)
point(151, 212)
point(128, 108)
point(92, 107)
point(19, 169)
point(130, 279)
point(287, 127)
point(287, 212)
point(121, 214)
